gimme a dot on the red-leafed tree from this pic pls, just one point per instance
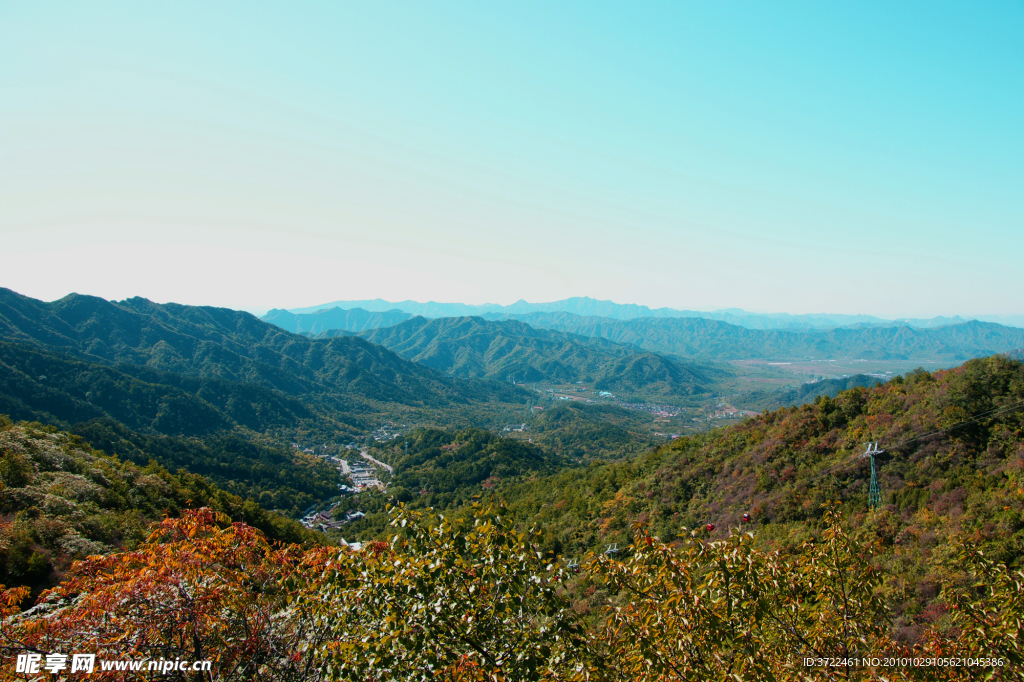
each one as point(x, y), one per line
point(198, 589)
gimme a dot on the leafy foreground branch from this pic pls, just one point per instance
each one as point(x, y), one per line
point(474, 600)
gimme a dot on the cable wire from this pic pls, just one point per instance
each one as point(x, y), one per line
point(970, 420)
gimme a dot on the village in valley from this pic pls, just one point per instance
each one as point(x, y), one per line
point(356, 466)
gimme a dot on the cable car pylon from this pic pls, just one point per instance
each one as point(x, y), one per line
point(874, 492)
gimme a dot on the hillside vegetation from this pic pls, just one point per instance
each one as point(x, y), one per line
point(488, 591)
point(444, 468)
point(61, 501)
point(472, 600)
point(584, 432)
point(215, 391)
point(784, 466)
point(788, 397)
point(210, 427)
point(217, 343)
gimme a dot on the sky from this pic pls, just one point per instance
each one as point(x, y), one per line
point(776, 157)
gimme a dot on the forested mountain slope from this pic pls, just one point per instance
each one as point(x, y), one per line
point(700, 338)
point(782, 466)
point(214, 391)
point(490, 592)
point(61, 500)
point(349, 320)
point(445, 468)
point(584, 432)
point(227, 344)
point(207, 426)
point(509, 350)
point(953, 471)
point(787, 397)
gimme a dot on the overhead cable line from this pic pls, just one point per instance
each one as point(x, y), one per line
point(875, 495)
point(970, 420)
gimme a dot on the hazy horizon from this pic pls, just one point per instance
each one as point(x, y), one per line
point(260, 311)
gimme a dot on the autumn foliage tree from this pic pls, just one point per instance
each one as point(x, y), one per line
point(473, 600)
point(199, 589)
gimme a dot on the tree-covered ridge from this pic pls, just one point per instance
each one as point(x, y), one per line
point(782, 466)
point(35, 384)
point(788, 397)
point(61, 500)
point(700, 338)
point(583, 432)
point(230, 345)
point(472, 347)
point(446, 468)
point(494, 594)
point(216, 391)
point(278, 478)
point(213, 427)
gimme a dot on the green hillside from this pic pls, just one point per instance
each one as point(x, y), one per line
point(784, 463)
point(227, 344)
point(441, 464)
point(207, 426)
point(774, 399)
point(509, 350)
point(701, 338)
point(217, 391)
point(584, 432)
point(783, 466)
point(61, 500)
point(933, 571)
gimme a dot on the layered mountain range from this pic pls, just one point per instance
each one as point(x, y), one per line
point(227, 345)
point(222, 393)
point(699, 338)
point(681, 337)
point(214, 390)
point(511, 350)
point(351, 320)
point(586, 306)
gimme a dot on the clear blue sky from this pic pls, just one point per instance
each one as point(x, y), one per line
point(813, 157)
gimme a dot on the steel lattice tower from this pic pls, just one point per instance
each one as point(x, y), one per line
point(874, 492)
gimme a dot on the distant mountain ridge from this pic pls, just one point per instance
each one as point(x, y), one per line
point(350, 320)
point(586, 306)
point(472, 347)
point(711, 339)
point(219, 343)
point(250, 373)
point(210, 389)
point(705, 339)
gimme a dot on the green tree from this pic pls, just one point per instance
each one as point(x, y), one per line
point(449, 600)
